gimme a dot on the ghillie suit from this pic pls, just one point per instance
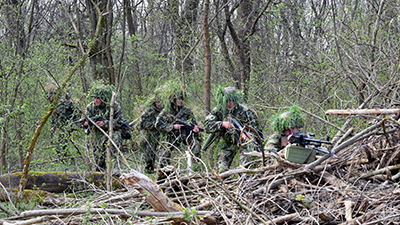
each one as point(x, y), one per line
point(98, 140)
point(293, 118)
point(61, 120)
point(151, 135)
point(230, 141)
point(171, 92)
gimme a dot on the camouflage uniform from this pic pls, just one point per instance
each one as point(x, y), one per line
point(280, 123)
point(61, 119)
point(165, 123)
point(151, 135)
point(98, 140)
point(230, 141)
point(274, 143)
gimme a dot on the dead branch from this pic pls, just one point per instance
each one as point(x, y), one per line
point(362, 111)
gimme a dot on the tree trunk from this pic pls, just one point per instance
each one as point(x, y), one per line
point(183, 25)
point(100, 53)
point(207, 76)
point(242, 45)
point(132, 28)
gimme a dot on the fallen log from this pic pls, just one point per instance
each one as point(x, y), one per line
point(51, 214)
point(153, 194)
point(55, 182)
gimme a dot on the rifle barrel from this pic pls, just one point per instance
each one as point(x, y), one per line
point(318, 141)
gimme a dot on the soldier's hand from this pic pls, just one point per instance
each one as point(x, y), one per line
point(177, 126)
point(245, 137)
point(288, 138)
point(85, 124)
point(227, 125)
point(100, 123)
point(52, 129)
point(196, 129)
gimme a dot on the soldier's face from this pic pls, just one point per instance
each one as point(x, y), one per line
point(291, 131)
point(97, 101)
point(159, 105)
point(230, 105)
point(50, 97)
point(179, 102)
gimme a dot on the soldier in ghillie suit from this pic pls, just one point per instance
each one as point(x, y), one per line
point(219, 124)
point(99, 111)
point(61, 119)
point(284, 125)
point(151, 135)
point(174, 109)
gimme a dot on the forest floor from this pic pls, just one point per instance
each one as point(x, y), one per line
point(358, 185)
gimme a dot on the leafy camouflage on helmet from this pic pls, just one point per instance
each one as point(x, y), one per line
point(155, 97)
point(227, 94)
point(51, 91)
point(291, 118)
point(49, 88)
point(104, 92)
point(170, 91)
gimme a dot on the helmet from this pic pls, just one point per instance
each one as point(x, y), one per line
point(227, 94)
point(104, 92)
point(289, 119)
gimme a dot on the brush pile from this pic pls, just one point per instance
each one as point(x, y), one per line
point(358, 185)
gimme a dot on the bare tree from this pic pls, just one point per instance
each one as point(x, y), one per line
point(132, 27)
point(101, 54)
point(207, 83)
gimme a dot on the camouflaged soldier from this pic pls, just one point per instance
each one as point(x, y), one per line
point(99, 112)
point(151, 135)
point(61, 119)
point(284, 125)
point(174, 110)
point(219, 124)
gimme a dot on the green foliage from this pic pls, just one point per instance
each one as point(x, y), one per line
point(188, 215)
point(289, 119)
point(170, 91)
point(224, 95)
point(102, 91)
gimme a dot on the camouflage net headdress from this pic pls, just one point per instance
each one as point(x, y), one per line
point(50, 88)
point(156, 96)
point(104, 92)
point(227, 94)
point(170, 91)
point(289, 119)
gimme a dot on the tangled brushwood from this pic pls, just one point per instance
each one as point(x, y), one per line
point(358, 185)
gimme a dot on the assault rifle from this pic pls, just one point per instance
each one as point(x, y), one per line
point(303, 140)
point(187, 127)
point(239, 129)
point(90, 124)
